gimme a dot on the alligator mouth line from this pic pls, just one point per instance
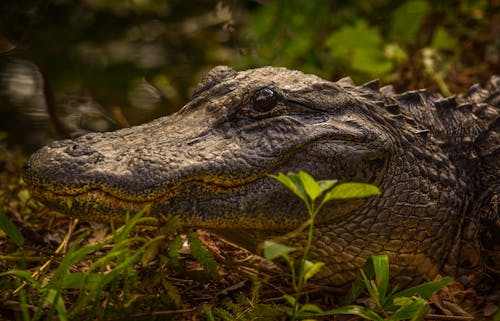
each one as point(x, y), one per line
point(102, 206)
point(215, 184)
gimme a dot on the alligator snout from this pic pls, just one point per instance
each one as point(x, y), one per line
point(62, 163)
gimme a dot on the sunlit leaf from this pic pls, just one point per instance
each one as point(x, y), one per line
point(299, 186)
point(381, 269)
point(285, 180)
point(312, 269)
point(326, 184)
point(311, 187)
point(352, 190)
point(273, 250)
point(292, 181)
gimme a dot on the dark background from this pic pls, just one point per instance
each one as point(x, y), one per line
point(68, 67)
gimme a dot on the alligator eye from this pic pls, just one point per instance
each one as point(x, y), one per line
point(264, 99)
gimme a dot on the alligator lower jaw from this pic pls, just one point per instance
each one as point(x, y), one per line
point(92, 205)
point(96, 205)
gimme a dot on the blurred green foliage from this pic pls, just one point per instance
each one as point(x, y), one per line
point(371, 39)
point(110, 64)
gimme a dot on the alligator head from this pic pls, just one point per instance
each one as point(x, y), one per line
point(209, 164)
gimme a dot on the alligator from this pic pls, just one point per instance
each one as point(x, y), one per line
point(435, 159)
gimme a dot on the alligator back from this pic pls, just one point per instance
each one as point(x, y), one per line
point(467, 129)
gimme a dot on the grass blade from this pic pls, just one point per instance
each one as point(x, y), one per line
point(10, 229)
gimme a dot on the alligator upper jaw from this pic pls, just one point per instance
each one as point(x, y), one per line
point(104, 176)
point(133, 165)
point(212, 202)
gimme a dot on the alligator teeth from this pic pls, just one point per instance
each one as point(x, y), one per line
point(69, 202)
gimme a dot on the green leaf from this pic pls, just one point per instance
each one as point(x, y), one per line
point(273, 250)
point(285, 180)
point(290, 299)
point(22, 274)
point(202, 255)
point(312, 269)
point(371, 287)
point(348, 309)
point(292, 181)
point(311, 187)
point(442, 40)
point(402, 301)
point(53, 299)
point(173, 251)
point(424, 290)
point(394, 52)
point(24, 195)
point(10, 229)
point(172, 292)
point(150, 254)
point(408, 19)
point(409, 309)
point(326, 184)
point(310, 308)
point(299, 187)
point(82, 280)
point(381, 268)
point(351, 190)
point(362, 46)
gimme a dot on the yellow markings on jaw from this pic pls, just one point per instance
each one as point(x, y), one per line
point(214, 183)
point(69, 201)
point(92, 205)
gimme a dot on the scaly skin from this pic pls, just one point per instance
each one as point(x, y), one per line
point(435, 160)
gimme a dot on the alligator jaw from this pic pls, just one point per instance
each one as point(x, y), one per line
point(199, 201)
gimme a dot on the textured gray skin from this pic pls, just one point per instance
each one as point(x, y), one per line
point(436, 161)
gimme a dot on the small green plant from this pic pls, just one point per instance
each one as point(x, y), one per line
point(101, 287)
point(406, 304)
point(315, 195)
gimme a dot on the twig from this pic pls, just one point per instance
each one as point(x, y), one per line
point(447, 317)
point(50, 103)
point(61, 248)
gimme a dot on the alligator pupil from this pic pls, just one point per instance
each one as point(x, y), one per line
point(264, 99)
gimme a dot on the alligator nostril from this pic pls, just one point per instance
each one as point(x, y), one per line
point(78, 150)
